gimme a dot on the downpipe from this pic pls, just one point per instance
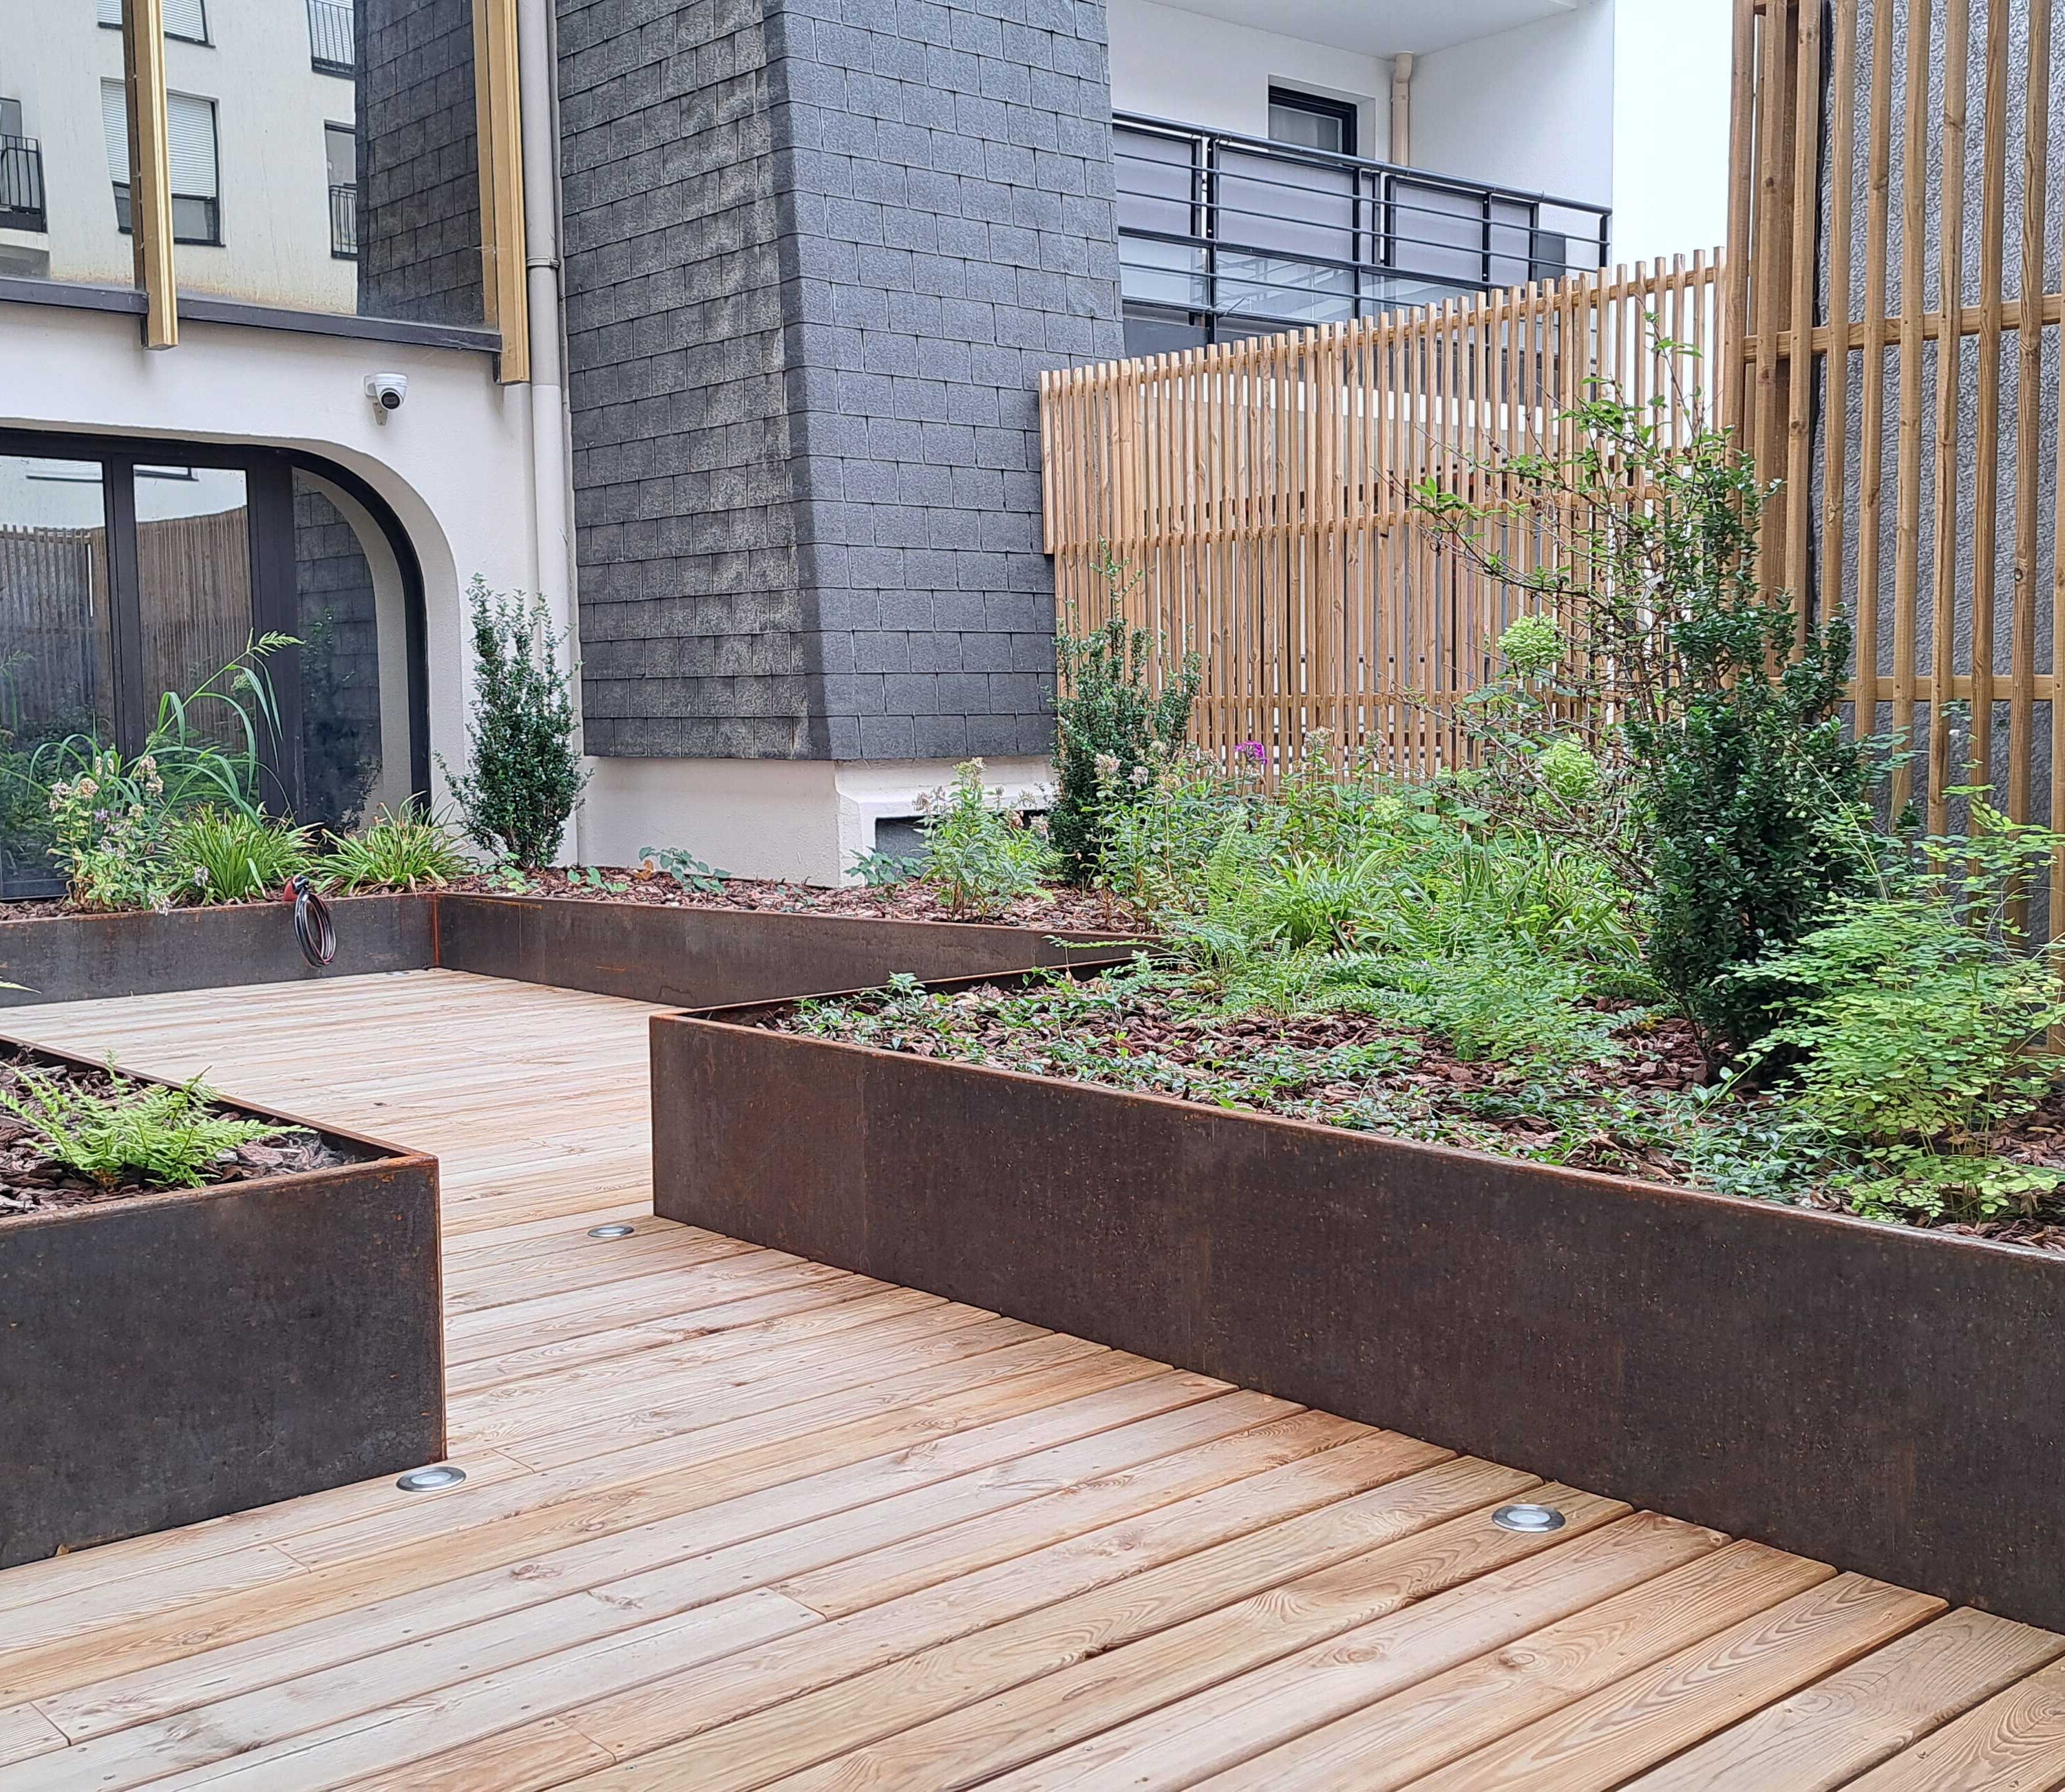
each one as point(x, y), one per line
point(551, 489)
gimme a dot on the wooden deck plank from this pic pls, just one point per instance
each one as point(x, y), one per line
point(1342, 1715)
point(871, 1497)
point(1649, 1715)
point(1824, 1736)
point(735, 1518)
point(2014, 1743)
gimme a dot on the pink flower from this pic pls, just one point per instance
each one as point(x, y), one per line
point(1252, 749)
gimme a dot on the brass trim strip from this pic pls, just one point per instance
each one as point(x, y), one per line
point(504, 290)
point(150, 168)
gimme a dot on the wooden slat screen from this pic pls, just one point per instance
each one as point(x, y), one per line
point(1898, 295)
point(1259, 495)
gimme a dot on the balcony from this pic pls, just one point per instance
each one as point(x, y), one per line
point(333, 37)
point(344, 223)
point(21, 184)
point(1222, 237)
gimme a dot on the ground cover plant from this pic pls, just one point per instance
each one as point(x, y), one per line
point(70, 1135)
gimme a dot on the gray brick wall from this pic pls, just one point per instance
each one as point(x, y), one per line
point(419, 161)
point(817, 252)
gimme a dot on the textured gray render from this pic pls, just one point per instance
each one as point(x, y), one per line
point(817, 254)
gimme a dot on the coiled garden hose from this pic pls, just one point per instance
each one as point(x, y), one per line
point(312, 927)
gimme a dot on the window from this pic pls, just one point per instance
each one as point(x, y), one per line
point(332, 37)
point(1307, 121)
point(196, 189)
point(184, 19)
point(340, 146)
point(190, 128)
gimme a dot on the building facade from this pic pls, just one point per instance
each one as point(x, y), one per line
point(720, 321)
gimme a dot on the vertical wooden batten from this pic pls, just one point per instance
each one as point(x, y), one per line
point(505, 292)
point(150, 169)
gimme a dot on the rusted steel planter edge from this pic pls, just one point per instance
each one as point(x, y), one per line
point(710, 958)
point(1887, 1398)
point(276, 1337)
point(677, 957)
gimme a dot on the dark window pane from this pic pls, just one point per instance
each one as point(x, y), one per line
point(193, 577)
point(1311, 123)
point(355, 756)
point(1155, 330)
point(55, 668)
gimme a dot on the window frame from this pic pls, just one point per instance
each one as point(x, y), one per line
point(1344, 112)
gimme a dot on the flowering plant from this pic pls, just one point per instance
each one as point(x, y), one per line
point(108, 826)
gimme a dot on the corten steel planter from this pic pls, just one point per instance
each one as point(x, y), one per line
point(76, 957)
point(710, 958)
point(1888, 1398)
point(171, 1358)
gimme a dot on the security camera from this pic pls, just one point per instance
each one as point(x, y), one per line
point(386, 391)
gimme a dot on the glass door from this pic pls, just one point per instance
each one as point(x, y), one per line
point(131, 575)
point(57, 664)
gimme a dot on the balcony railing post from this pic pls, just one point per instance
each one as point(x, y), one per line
point(21, 184)
point(1276, 236)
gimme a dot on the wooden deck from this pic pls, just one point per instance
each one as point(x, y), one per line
point(734, 1520)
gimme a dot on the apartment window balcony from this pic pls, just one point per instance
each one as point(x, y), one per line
point(332, 47)
point(21, 184)
point(1222, 237)
point(344, 223)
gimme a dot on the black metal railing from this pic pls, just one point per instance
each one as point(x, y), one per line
point(332, 37)
point(1223, 236)
point(344, 223)
point(21, 184)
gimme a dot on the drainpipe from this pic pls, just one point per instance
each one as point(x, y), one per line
point(1401, 109)
point(551, 493)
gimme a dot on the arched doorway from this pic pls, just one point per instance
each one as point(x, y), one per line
point(130, 568)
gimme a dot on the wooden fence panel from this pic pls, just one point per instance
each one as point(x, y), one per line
point(1897, 364)
point(1254, 501)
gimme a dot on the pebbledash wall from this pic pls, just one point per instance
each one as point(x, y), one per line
point(816, 254)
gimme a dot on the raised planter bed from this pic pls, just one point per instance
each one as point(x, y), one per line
point(1889, 1398)
point(712, 957)
point(74, 958)
point(167, 1358)
point(684, 957)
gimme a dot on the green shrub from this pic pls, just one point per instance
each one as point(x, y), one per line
point(1918, 1040)
point(403, 850)
point(168, 1135)
point(526, 776)
point(982, 852)
point(1733, 799)
point(1114, 729)
point(224, 856)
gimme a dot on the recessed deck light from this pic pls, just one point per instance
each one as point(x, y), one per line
point(1529, 1518)
point(429, 1480)
point(618, 1229)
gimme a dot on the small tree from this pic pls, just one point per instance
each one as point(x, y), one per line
point(1714, 703)
point(1114, 730)
point(526, 774)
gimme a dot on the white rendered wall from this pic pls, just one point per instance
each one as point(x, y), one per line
point(1194, 70)
point(1671, 126)
point(453, 462)
point(802, 820)
point(1531, 108)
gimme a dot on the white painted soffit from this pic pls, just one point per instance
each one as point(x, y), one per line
point(1382, 27)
